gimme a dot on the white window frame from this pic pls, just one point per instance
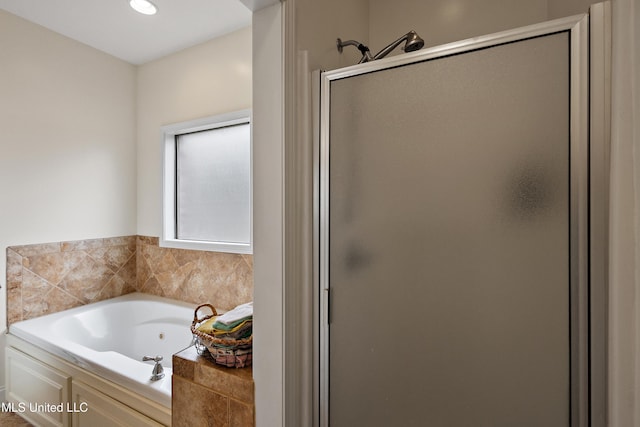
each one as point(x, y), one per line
point(169, 133)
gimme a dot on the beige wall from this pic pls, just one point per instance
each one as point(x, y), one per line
point(320, 23)
point(67, 169)
point(205, 80)
point(377, 23)
point(68, 139)
point(445, 21)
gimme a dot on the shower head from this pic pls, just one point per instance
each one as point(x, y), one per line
point(412, 41)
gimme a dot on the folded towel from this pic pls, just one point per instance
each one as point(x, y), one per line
point(243, 329)
point(237, 315)
point(207, 325)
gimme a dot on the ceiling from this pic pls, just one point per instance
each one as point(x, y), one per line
point(113, 27)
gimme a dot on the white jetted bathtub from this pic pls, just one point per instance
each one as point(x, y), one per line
point(99, 347)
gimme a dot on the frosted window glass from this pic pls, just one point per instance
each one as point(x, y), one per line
point(213, 185)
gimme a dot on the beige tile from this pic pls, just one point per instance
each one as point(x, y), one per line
point(236, 383)
point(173, 281)
point(114, 257)
point(38, 249)
point(241, 414)
point(14, 269)
point(114, 288)
point(183, 368)
point(128, 272)
point(184, 256)
point(14, 305)
point(81, 245)
point(196, 406)
point(58, 300)
point(128, 241)
point(86, 279)
point(52, 267)
point(147, 240)
point(143, 271)
point(153, 287)
point(33, 287)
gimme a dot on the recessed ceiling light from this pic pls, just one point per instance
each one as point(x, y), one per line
point(143, 6)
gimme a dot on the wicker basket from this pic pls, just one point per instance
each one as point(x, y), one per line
point(229, 352)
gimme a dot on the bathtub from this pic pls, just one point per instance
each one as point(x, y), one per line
point(109, 339)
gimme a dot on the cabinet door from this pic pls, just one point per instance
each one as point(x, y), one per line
point(91, 408)
point(37, 390)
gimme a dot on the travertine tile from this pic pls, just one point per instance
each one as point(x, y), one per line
point(183, 368)
point(216, 379)
point(114, 288)
point(143, 271)
point(195, 406)
point(86, 279)
point(236, 383)
point(249, 260)
point(38, 249)
point(184, 256)
point(52, 267)
point(81, 245)
point(128, 241)
point(113, 257)
point(128, 272)
point(159, 259)
point(172, 281)
point(147, 240)
point(14, 269)
point(33, 285)
point(58, 300)
point(95, 269)
point(14, 305)
point(240, 414)
point(153, 287)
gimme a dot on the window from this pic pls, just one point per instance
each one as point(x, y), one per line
point(207, 184)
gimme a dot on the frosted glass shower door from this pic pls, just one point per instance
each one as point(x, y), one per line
point(450, 237)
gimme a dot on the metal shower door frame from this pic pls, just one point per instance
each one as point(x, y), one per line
point(578, 29)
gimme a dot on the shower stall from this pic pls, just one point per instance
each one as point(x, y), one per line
point(459, 224)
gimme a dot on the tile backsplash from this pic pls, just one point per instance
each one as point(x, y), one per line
point(221, 279)
point(51, 277)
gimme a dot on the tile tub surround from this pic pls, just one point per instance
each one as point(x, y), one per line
point(207, 394)
point(51, 277)
point(222, 279)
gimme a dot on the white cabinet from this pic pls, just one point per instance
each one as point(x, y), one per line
point(38, 392)
point(50, 392)
point(92, 408)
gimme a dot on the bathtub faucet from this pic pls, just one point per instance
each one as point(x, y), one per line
point(158, 370)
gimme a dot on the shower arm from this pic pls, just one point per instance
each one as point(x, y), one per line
point(388, 49)
point(412, 41)
point(366, 54)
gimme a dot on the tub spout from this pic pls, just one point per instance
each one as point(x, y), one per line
point(158, 370)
